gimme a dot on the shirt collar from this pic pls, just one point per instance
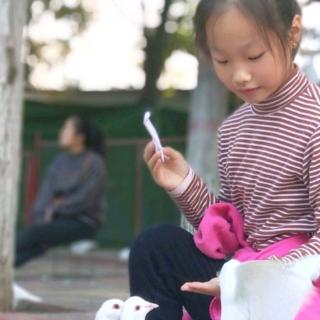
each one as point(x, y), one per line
point(284, 96)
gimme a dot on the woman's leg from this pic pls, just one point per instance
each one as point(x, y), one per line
point(35, 240)
point(161, 260)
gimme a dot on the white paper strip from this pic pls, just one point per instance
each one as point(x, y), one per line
point(153, 133)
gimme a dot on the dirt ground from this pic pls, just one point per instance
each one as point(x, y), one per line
point(72, 287)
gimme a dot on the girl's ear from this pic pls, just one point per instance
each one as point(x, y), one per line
point(295, 32)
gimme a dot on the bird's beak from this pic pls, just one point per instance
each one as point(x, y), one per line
point(152, 306)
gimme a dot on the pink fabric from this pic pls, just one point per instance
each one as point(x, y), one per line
point(311, 309)
point(220, 232)
point(186, 316)
point(220, 235)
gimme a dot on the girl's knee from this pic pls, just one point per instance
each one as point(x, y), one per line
point(158, 238)
point(150, 236)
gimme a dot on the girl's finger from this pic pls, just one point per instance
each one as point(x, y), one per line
point(171, 153)
point(152, 162)
point(149, 151)
point(158, 164)
point(185, 287)
point(193, 286)
point(200, 287)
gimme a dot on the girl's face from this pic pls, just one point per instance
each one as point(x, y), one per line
point(241, 58)
point(69, 138)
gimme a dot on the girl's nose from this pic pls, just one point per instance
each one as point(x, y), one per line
point(241, 78)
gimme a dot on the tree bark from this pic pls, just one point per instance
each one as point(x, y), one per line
point(12, 18)
point(154, 59)
point(208, 108)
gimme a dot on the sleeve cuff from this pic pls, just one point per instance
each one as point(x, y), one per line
point(184, 185)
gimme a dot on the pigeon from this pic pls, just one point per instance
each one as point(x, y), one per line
point(110, 310)
point(264, 290)
point(21, 294)
point(136, 308)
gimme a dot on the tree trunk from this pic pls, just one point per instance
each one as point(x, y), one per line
point(12, 14)
point(209, 106)
point(154, 59)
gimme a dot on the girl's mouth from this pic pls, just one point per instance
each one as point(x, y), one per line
point(249, 91)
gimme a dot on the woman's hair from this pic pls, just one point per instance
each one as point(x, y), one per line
point(93, 137)
point(275, 16)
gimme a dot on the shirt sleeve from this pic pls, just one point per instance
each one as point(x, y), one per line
point(85, 196)
point(193, 196)
point(311, 174)
point(45, 193)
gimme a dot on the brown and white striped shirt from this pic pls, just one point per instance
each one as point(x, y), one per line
point(269, 167)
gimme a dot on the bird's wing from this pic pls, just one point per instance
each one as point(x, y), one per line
point(232, 305)
point(308, 267)
point(266, 290)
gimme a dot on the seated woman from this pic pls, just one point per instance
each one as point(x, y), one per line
point(71, 202)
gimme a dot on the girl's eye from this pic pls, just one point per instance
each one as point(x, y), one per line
point(257, 57)
point(222, 61)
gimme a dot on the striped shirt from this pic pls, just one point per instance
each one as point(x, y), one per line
point(269, 168)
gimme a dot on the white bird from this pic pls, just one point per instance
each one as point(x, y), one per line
point(136, 308)
point(110, 310)
point(21, 294)
point(264, 290)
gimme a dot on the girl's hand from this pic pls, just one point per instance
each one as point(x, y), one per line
point(210, 288)
point(170, 173)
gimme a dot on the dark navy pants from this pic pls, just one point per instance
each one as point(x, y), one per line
point(161, 260)
point(35, 240)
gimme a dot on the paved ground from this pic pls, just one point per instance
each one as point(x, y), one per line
point(73, 287)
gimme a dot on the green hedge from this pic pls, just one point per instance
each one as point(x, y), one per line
point(117, 122)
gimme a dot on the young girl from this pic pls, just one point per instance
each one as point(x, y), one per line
point(269, 155)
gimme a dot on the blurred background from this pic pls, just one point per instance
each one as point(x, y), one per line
point(110, 60)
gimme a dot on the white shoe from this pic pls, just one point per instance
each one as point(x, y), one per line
point(21, 294)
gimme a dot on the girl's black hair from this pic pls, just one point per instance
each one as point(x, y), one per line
point(274, 16)
point(94, 139)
